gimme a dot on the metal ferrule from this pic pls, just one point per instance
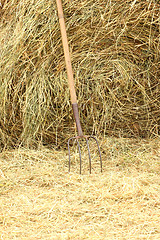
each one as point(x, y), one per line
point(77, 119)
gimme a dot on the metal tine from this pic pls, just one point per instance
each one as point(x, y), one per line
point(79, 149)
point(69, 154)
point(98, 151)
point(89, 156)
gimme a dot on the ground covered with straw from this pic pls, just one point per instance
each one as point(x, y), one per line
point(115, 53)
point(39, 199)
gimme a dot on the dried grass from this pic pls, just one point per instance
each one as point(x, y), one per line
point(115, 54)
point(40, 200)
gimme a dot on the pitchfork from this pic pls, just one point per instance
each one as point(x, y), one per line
point(73, 94)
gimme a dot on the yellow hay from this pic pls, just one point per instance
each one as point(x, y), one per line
point(114, 47)
point(40, 200)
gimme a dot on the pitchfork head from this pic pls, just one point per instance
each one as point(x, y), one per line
point(79, 149)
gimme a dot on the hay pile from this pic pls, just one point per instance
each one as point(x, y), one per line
point(115, 54)
point(40, 200)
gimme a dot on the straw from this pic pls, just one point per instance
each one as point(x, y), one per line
point(114, 47)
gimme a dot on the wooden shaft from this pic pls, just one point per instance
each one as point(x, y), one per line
point(66, 52)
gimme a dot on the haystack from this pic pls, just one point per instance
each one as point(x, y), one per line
point(115, 53)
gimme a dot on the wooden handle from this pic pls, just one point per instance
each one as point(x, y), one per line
point(66, 52)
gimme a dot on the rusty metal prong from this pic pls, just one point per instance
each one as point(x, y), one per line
point(79, 149)
point(79, 155)
point(98, 151)
point(89, 156)
point(69, 153)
